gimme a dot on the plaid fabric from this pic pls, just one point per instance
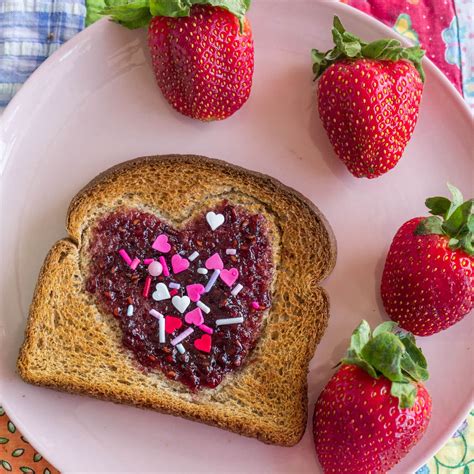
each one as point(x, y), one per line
point(30, 30)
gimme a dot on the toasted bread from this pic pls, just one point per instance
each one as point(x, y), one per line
point(72, 346)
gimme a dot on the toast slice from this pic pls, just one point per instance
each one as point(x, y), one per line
point(71, 345)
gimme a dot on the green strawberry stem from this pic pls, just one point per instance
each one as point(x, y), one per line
point(138, 13)
point(451, 218)
point(349, 46)
point(392, 353)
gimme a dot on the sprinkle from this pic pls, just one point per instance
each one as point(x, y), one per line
point(202, 271)
point(214, 220)
point(155, 314)
point(255, 305)
point(161, 329)
point(231, 252)
point(182, 336)
point(180, 348)
point(155, 268)
point(166, 271)
point(223, 322)
point(176, 286)
point(146, 288)
point(161, 244)
point(205, 328)
point(135, 263)
point(147, 261)
point(212, 280)
point(130, 310)
point(173, 292)
point(193, 256)
point(123, 253)
point(237, 289)
point(205, 308)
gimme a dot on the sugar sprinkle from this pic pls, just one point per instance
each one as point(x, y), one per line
point(226, 321)
point(146, 288)
point(193, 256)
point(123, 253)
point(176, 286)
point(166, 271)
point(205, 328)
point(205, 308)
point(202, 271)
point(135, 263)
point(237, 289)
point(231, 252)
point(255, 305)
point(212, 280)
point(130, 310)
point(180, 348)
point(182, 336)
point(155, 314)
point(147, 261)
point(161, 329)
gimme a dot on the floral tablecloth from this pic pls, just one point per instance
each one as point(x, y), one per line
point(30, 30)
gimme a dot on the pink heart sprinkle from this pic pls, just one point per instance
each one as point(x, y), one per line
point(229, 277)
point(161, 244)
point(194, 292)
point(194, 317)
point(179, 264)
point(203, 343)
point(214, 262)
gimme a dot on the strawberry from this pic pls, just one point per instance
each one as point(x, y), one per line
point(375, 408)
point(202, 52)
point(428, 278)
point(368, 99)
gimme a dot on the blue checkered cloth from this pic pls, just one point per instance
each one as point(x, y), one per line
point(29, 32)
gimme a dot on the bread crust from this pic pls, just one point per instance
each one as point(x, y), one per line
point(69, 345)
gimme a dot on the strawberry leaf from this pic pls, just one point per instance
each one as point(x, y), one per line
point(405, 392)
point(458, 218)
point(457, 199)
point(387, 326)
point(135, 14)
point(360, 337)
point(138, 13)
point(384, 352)
point(392, 353)
point(430, 225)
point(455, 221)
point(438, 205)
point(362, 364)
point(349, 46)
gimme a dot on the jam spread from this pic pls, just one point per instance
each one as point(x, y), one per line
point(117, 287)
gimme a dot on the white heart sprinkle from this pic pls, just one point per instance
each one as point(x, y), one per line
point(181, 303)
point(214, 220)
point(161, 292)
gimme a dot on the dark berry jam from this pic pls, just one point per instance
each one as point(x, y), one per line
point(116, 287)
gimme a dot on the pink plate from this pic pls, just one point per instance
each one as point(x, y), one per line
point(95, 104)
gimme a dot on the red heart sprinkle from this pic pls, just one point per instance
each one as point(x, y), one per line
point(172, 323)
point(203, 343)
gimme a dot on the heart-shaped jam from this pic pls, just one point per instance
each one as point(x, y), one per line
point(196, 314)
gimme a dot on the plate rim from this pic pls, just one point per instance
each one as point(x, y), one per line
point(51, 62)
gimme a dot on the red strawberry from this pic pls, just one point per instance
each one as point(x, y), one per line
point(202, 55)
point(374, 409)
point(428, 279)
point(368, 99)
